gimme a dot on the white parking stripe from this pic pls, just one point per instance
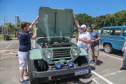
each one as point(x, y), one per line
point(113, 73)
point(8, 46)
point(95, 81)
point(111, 56)
point(103, 78)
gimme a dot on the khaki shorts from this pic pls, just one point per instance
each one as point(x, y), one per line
point(95, 50)
point(23, 59)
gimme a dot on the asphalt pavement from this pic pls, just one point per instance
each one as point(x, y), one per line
point(107, 70)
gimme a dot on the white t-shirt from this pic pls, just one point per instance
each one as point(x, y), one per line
point(85, 36)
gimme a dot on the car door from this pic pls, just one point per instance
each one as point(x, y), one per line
point(104, 36)
point(123, 37)
point(116, 40)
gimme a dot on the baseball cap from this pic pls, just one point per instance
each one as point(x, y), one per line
point(83, 26)
point(93, 25)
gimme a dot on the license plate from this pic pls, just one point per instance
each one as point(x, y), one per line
point(80, 72)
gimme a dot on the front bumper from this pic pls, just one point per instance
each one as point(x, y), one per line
point(77, 70)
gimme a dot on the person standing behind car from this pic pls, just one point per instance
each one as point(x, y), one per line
point(95, 37)
point(24, 48)
point(124, 57)
point(83, 39)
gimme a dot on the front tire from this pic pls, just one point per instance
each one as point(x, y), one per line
point(108, 48)
point(31, 68)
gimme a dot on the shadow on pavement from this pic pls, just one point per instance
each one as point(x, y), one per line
point(101, 49)
point(72, 80)
point(99, 62)
point(115, 52)
point(85, 77)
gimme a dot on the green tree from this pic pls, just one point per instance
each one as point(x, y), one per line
point(10, 26)
point(116, 19)
point(85, 19)
point(18, 26)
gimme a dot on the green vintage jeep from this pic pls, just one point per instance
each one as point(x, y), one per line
point(55, 56)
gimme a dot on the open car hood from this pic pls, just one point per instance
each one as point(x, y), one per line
point(55, 22)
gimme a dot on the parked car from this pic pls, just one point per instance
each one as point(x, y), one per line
point(54, 56)
point(113, 37)
point(7, 37)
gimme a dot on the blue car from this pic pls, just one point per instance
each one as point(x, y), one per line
point(113, 37)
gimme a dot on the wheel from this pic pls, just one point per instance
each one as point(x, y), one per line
point(31, 68)
point(34, 66)
point(108, 48)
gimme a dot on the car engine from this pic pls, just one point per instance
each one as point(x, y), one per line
point(53, 42)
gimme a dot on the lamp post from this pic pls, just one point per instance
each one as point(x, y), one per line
point(4, 27)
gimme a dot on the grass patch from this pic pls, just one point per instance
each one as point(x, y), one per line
point(1, 37)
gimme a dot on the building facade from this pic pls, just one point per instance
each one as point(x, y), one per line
point(17, 19)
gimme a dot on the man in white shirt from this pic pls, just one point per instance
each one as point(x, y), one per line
point(84, 38)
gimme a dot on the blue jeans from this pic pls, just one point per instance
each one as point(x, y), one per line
point(124, 59)
point(88, 60)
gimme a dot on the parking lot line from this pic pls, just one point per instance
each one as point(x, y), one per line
point(95, 81)
point(113, 73)
point(111, 56)
point(8, 46)
point(103, 78)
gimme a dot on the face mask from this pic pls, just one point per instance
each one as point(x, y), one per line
point(28, 29)
point(80, 31)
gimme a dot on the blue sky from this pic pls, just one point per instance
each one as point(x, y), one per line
point(27, 9)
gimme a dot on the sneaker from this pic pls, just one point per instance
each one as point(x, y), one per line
point(122, 68)
point(92, 61)
point(24, 82)
point(94, 64)
point(26, 77)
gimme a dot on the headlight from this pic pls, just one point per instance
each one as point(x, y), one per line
point(47, 54)
point(75, 52)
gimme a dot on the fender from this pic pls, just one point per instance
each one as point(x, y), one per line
point(83, 52)
point(35, 54)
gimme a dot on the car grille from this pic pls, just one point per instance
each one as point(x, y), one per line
point(57, 53)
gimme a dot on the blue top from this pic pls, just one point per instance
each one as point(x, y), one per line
point(24, 41)
point(94, 35)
